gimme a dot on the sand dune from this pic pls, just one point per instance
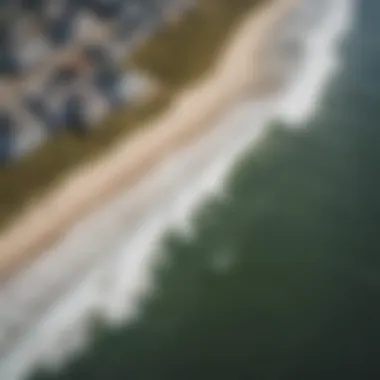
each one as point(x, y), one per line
point(241, 67)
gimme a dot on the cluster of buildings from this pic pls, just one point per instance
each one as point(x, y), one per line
point(61, 63)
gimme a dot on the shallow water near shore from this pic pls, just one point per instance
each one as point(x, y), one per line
point(277, 275)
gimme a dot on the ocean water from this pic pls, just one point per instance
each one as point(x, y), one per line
point(275, 274)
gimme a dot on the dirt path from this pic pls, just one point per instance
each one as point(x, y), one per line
point(238, 68)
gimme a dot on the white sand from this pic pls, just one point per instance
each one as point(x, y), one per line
point(188, 118)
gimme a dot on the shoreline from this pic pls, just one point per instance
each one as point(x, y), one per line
point(238, 68)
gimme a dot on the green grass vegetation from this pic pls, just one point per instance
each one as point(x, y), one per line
point(177, 55)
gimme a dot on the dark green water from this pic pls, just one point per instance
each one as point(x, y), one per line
point(301, 299)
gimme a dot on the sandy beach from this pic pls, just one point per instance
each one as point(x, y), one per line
point(240, 67)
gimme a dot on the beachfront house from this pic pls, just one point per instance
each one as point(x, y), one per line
point(62, 63)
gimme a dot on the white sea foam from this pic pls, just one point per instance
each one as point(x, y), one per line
point(321, 62)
